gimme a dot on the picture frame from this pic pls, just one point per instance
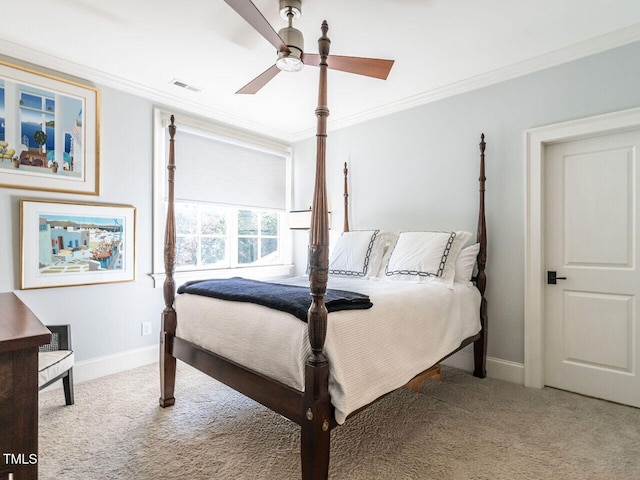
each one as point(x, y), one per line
point(69, 244)
point(49, 132)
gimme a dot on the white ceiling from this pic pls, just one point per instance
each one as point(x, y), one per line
point(440, 47)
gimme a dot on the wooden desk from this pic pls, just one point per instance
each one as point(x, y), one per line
point(21, 333)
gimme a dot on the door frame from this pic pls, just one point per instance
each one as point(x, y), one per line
point(536, 140)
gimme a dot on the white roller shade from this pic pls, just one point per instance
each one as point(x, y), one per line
point(210, 170)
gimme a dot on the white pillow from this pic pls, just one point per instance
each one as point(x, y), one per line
point(356, 254)
point(466, 262)
point(387, 242)
point(425, 256)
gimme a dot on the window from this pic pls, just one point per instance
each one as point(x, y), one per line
point(37, 117)
point(208, 236)
point(257, 237)
point(201, 236)
point(231, 193)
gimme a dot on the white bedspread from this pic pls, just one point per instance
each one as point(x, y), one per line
point(371, 352)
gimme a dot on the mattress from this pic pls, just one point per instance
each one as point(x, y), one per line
point(410, 327)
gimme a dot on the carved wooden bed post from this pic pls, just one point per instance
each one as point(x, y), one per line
point(168, 328)
point(318, 416)
point(480, 345)
point(345, 227)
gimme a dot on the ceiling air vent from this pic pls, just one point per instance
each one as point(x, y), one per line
point(186, 86)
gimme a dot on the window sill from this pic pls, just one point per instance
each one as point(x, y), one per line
point(270, 272)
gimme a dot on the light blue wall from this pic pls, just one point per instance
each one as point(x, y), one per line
point(411, 170)
point(418, 169)
point(105, 319)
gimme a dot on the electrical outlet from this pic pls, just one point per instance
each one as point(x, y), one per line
point(146, 328)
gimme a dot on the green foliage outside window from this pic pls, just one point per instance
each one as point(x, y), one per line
point(203, 234)
point(257, 235)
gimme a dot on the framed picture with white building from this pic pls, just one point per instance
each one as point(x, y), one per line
point(64, 244)
point(49, 132)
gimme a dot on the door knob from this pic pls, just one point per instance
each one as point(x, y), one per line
point(552, 277)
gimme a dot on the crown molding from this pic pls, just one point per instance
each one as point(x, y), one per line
point(574, 52)
point(62, 67)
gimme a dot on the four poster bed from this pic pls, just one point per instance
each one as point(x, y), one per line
point(315, 374)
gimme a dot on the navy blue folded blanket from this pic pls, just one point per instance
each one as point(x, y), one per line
point(287, 298)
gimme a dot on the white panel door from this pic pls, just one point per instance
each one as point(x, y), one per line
point(592, 331)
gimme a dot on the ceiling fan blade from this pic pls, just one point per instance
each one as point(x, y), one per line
point(370, 67)
point(260, 81)
point(247, 10)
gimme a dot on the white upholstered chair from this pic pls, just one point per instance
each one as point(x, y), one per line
point(55, 361)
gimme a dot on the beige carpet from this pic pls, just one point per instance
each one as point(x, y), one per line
point(460, 428)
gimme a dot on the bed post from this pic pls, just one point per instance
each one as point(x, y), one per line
point(316, 403)
point(168, 329)
point(346, 199)
point(480, 345)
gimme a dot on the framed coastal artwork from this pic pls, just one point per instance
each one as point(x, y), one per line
point(49, 132)
point(64, 244)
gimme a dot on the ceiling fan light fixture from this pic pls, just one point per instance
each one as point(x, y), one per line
point(291, 61)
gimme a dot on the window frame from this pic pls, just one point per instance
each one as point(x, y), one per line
point(161, 138)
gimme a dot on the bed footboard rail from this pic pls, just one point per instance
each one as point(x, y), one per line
point(276, 396)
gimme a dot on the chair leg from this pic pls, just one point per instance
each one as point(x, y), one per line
point(67, 384)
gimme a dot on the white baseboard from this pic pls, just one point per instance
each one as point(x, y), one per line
point(496, 367)
point(505, 370)
point(109, 364)
point(119, 362)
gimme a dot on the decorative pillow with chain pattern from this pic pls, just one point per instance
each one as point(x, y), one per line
point(426, 256)
point(356, 254)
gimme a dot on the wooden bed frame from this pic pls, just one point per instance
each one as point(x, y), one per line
point(311, 408)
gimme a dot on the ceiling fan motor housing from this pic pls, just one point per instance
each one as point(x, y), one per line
point(293, 38)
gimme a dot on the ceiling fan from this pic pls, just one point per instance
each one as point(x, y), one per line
point(290, 45)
